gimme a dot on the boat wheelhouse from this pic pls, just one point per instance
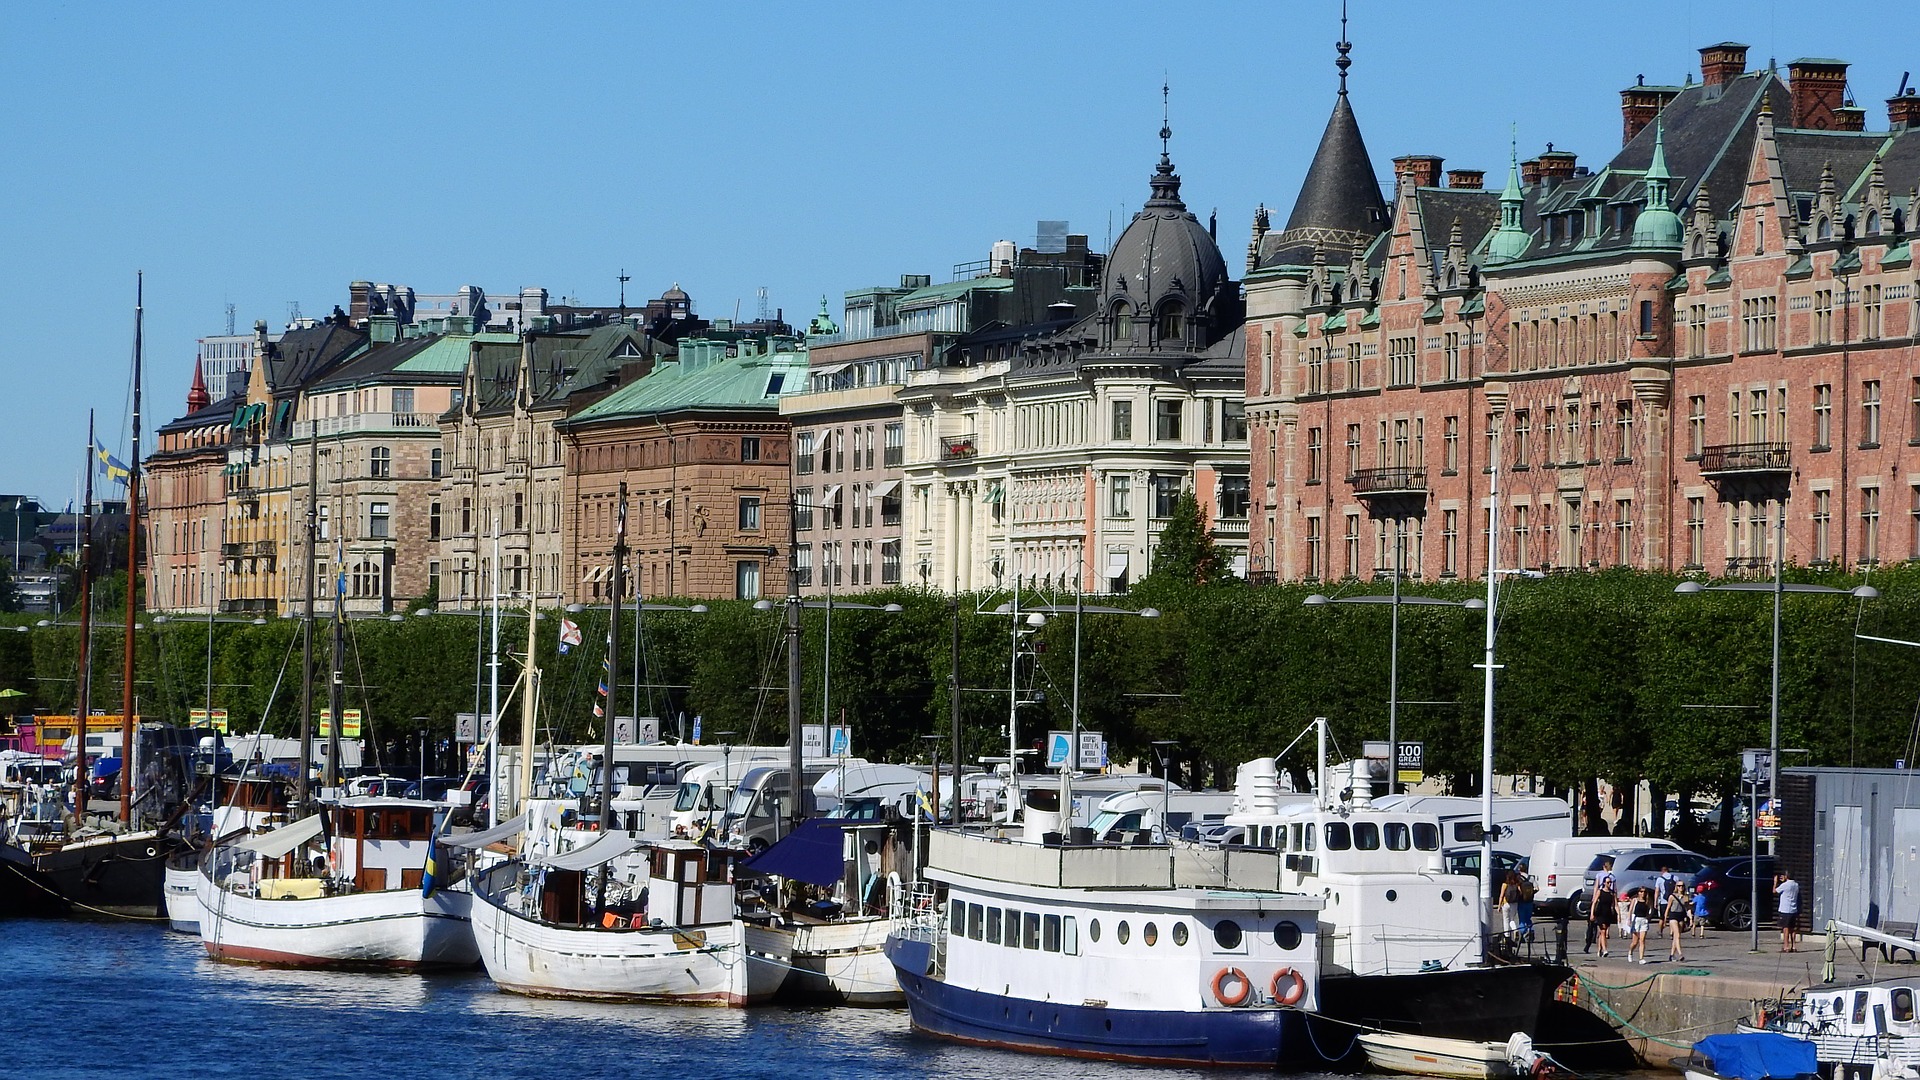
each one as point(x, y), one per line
point(1858, 1032)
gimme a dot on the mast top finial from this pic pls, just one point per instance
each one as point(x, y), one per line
point(1343, 47)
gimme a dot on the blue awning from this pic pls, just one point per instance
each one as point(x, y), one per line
point(1758, 1055)
point(812, 853)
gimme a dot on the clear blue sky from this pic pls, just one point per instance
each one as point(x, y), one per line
point(260, 154)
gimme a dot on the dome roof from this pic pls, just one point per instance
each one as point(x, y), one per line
point(1165, 253)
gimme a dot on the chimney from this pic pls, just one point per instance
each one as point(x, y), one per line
point(1529, 172)
point(1850, 118)
point(1819, 92)
point(1556, 165)
point(1904, 111)
point(1722, 63)
point(357, 308)
point(1422, 169)
point(382, 329)
point(1639, 104)
point(1466, 179)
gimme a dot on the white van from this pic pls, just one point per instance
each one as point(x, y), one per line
point(1519, 821)
point(1557, 866)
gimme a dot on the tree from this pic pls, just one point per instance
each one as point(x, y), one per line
point(1186, 554)
point(9, 589)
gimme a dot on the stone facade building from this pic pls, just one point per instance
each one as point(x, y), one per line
point(185, 504)
point(704, 452)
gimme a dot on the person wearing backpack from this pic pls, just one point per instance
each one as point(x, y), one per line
point(1523, 887)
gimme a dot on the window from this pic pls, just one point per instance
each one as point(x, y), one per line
point(749, 513)
point(1353, 366)
point(1353, 450)
point(1646, 318)
point(1122, 323)
point(1166, 420)
point(890, 506)
point(1913, 529)
point(379, 520)
point(433, 519)
point(325, 523)
point(1122, 421)
point(1316, 370)
point(1522, 432)
point(1166, 492)
point(1316, 567)
point(1869, 414)
point(1402, 445)
point(896, 445)
point(519, 509)
point(1758, 323)
point(403, 399)
point(1913, 415)
point(1234, 496)
point(890, 562)
point(1823, 526)
point(1623, 430)
point(1233, 421)
point(1870, 525)
point(1822, 416)
point(750, 448)
point(1450, 357)
point(803, 453)
point(802, 509)
point(466, 515)
point(1120, 495)
point(379, 463)
point(1696, 531)
point(1450, 445)
point(1172, 322)
point(1315, 452)
point(1450, 543)
point(1402, 362)
point(1696, 425)
point(1521, 530)
point(1353, 545)
point(746, 580)
point(1870, 308)
point(1623, 531)
point(435, 464)
point(1823, 317)
point(1697, 331)
point(803, 564)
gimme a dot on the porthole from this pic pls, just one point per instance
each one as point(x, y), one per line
point(1286, 934)
point(1392, 895)
point(1093, 930)
point(1446, 896)
point(1179, 933)
point(1122, 933)
point(1150, 934)
point(1226, 934)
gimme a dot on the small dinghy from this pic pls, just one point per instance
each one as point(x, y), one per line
point(1750, 1055)
point(1419, 1055)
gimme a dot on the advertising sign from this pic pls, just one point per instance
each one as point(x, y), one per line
point(1093, 751)
point(813, 742)
point(1059, 749)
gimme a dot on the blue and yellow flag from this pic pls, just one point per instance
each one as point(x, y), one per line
point(111, 467)
point(429, 879)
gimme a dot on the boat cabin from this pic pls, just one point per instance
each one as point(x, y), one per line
point(1861, 1011)
point(381, 844)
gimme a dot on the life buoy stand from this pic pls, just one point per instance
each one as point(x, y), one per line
point(1242, 987)
point(1296, 986)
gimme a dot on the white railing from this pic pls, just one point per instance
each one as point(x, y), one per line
point(409, 422)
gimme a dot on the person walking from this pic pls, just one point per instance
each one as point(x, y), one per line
point(1593, 928)
point(1604, 912)
point(1523, 885)
point(1786, 907)
point(1509, 907)
point(1699, 911)
point(1675, 912)
point(1641, 906)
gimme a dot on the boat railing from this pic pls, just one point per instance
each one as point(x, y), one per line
point(919, 918)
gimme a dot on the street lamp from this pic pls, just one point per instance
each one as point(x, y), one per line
point(1777, 588)
point(1393, 657)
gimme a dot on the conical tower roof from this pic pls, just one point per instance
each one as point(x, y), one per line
point(1340, 202)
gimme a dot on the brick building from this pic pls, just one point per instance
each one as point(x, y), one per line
point(1659, 349)
point(703, 450)
point(185, 504)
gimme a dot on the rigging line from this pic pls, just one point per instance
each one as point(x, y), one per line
point(359, 668)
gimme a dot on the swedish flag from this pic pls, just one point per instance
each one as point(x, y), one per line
point(111, 467)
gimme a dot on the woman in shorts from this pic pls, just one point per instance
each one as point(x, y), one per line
point(1604, 911)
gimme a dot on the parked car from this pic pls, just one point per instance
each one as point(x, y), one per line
point(1635, 868)
point(1728, 884)
point(1466, 860)
point(432, 788)
point(1555, 866)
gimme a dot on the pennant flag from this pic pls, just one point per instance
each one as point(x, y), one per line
point(606, 676)
point(569, 634)
point(111, 467)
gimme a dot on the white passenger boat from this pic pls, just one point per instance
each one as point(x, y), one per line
point(622, 919)
point(343, 888)
point(1858, 1032)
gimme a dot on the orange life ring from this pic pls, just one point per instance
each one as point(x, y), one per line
point(1222, 977)
point(1293, 994)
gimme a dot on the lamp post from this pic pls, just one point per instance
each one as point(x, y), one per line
point(1778, 588)
point(1395, 600)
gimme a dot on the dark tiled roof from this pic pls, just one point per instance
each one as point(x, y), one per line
point(307, 353)
point(563, 363)
point(218, 412)
point(1477, 211)
point(1805, 154)
point(1901, 162)
point(1339, 199)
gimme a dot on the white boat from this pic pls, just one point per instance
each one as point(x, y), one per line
point(839, 913)
point(622, 919)
point(182, 887)
point(1750, 1055)
point(1858, 1032)
point(354, 898)
point(1464, 1059)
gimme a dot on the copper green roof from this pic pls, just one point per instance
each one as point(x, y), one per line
point(750, 381)
point(952, 290)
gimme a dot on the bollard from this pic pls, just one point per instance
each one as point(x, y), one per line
point(1560, 940)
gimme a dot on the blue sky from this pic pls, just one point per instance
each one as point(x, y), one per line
point(263, 154)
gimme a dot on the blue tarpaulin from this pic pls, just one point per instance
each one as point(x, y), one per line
point(1758, 1055)
point(813, 853)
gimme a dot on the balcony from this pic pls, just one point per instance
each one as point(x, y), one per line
point(1746, 459)
point(406, 423)
point(1391, 481)
point(959, 448)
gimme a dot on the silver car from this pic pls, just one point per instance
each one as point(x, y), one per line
point(1635, 868)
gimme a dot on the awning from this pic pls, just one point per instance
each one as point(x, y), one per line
point(272, 845)
point(831, 369)
point(1116, 564)
point(829, 493)
point(476, 840)
point(886, 489)
point(812, 853)
point(826, 438)
point(996, 493)
point(604, 849)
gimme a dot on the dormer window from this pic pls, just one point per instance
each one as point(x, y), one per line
point(1551, 225)
point(1873, 223)
point(1173, 323)
point(1823, 228)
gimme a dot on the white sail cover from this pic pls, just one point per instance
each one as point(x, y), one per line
point(476, 840)
point(272, 845)
point(605, 848)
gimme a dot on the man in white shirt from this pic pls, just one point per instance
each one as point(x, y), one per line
point(1786, 906)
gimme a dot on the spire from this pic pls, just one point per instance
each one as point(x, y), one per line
point(1658, 225)
point(198, 398)
point(1343, 47)
point(1165, 182)
point(1509, 241)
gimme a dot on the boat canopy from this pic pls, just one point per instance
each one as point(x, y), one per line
point(476, 840)
point(1758, 1055)
point(605, 848)
point(272, 845)
point(813, 853)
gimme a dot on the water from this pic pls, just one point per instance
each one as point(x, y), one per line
point(136, 1002)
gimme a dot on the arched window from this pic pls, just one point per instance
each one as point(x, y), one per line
point(1873, 223)
point(1823, 229)
point(1122, 322)
point(1173, 322)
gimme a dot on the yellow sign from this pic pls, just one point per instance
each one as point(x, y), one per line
point(349, 723)
point(200, 719)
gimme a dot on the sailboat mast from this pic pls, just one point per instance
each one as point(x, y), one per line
point(335, 684)
point(306, 624)
point(613, 675)
point(796, 803)
point(133, 568)
point(83, 700)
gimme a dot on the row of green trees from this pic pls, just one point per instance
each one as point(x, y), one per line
point(1607, 675)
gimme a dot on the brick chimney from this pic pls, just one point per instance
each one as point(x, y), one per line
point(1423, 169)
point(1904, 111)
point(1722, 63)
point(1466, 179)
point(1849, 118)
point(358, 308)
point(1819, 92)
point(1529, 172)
point(1639, 104)
point(1556, 165)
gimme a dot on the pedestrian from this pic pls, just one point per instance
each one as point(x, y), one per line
point(1786, 907)
point(1676, 918)
point(1662, 885)
point(1604, 912)
point(1509, 906)
point(1642, 915)
point(1525, 886)
point(1699, 911)
point(1593, 928)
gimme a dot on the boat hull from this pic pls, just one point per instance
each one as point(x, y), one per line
point(397, 929)
point(1459, 1059)
point(714, 964)
point(24, 893)
point(108, 877)
point(1250, 1037)
point(1474, 1004)
point(842, 963)
point(182, 886)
